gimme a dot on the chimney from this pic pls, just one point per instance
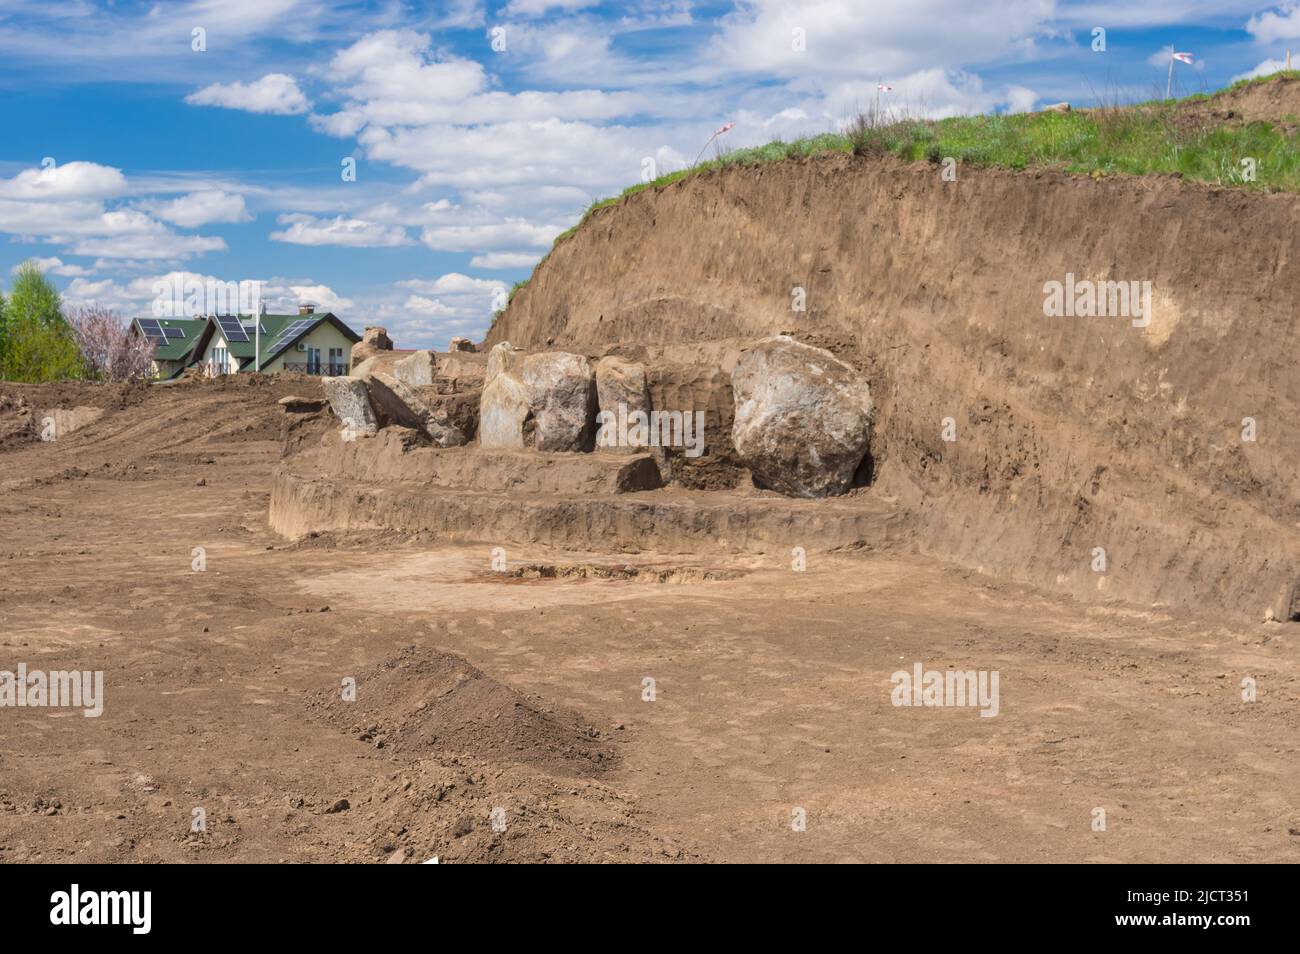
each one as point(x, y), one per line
point(306, 309)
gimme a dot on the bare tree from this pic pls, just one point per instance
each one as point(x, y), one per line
point(107, 346)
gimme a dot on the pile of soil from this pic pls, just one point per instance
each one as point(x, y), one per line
point(486, 773)
point(424, 702)
point(461, 811)
point(17, 421)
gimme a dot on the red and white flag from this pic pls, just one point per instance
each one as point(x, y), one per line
point(883, 88)
point(1183, 57)
point(725, 127)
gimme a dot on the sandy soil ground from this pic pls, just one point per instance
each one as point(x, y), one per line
point(772, 690)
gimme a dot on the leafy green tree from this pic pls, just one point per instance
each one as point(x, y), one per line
point(4, 328)
point(32, 297)
point(36, 342)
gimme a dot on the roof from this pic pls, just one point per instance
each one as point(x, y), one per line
point(181, 334)
point(278, 332)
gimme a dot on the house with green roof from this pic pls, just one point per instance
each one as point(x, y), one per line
point(173, 342)
point(305, 343)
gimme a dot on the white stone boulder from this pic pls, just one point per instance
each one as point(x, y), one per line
point(400, 405)
point(350, 401)
point(802, 417)
point(505, 418)
point(373, 341)
point(503, 357)
point(561, 390)
point(416, 370)
point(621, 391)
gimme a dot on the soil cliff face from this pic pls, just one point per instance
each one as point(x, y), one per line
point(1071, 433)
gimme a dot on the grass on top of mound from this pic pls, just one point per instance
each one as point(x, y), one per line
point(1152, 137)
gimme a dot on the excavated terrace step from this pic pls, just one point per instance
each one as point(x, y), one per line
point(666, 521)
point(390, 457)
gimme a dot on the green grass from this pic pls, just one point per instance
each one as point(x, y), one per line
point(1153, 137)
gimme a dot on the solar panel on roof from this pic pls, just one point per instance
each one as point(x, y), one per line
point(174, 332)
point(293, 331)
point(152, 329)
point(231, 328)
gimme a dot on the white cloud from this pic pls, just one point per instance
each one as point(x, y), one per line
point(280, 295)
point(1266, 68)
point(202, 208)
point(341, 230)
point(64, 205)
point(322, 296)
point(428, 306)
point(56, 266)
point(893, 36)
point(453, 283)
point(501, 260)
point(73, 180)
point(275, 93)
point(161, 244)
point(512, 232)
point(536, 8)
point(1282, 23)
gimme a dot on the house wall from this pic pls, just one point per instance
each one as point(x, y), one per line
point(324, 337)
point(209, 358)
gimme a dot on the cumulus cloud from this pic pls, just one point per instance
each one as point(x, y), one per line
point(203, 208)
point(136, 297)
point(512, 232)
point(1281, 23)
point(73, 180)
point(56, 266)
point(494, 261)
point(1266, 68)
point(536, 8)
point(68, 205)
point(340, 230)
point(275, 93)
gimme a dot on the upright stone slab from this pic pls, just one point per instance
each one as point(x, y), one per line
point(505, 418)
point(350, 401)
point(621, 391)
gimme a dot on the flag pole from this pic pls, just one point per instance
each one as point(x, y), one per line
point(1169, 83)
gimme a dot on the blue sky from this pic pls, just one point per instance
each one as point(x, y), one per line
point(481, 130)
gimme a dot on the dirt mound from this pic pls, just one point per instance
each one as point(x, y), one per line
point(144, 430)
point(1022, 442)
point(462, 813)
point(18, 424)
point(1276, 99)
point(424, 702)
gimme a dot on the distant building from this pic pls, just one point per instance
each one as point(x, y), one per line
point(173, 341)
point(305, 343)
